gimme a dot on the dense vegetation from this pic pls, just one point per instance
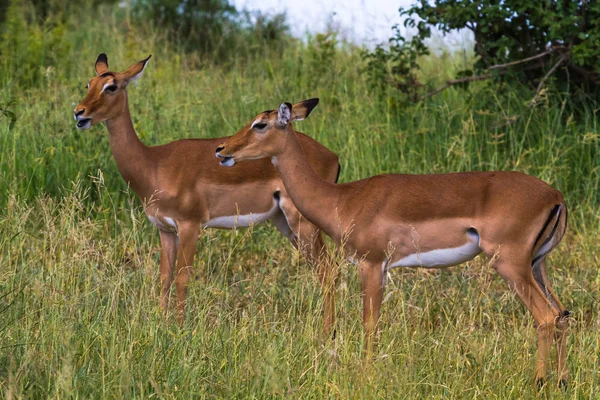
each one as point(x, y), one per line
point(544, 44)
point(78, 260)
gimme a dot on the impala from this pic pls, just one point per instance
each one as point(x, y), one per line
point(390, 221)
point(184, 189)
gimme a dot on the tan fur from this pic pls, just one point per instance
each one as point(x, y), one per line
point(385, 218)
point(182, 180)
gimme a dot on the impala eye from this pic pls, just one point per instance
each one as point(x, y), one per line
point(111, 88)
point(259, 126)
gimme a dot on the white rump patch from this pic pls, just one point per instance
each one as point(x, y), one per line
point(236, 221)
point(442, 257)
point(545, 249)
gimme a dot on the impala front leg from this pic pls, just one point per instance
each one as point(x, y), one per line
point(308, 239)
point(312, 244)
point(560, 337)
point(328, 277)
point(188, 235)
point(372, 287)
point(168, 255)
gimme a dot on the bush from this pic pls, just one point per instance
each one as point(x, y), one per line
point(28, 48)
point(525, 41)
point(213, 28)
point(33, 34)
point(7, 114)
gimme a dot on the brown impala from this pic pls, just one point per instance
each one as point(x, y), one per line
point(183, 188)
point(389, 221)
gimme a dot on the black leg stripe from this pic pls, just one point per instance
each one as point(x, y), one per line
point(553, 231)
point(550, 217)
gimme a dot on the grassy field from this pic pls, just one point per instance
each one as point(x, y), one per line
point(79, 312)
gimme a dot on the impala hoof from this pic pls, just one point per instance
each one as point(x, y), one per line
point(540, 383)
point(563, 383)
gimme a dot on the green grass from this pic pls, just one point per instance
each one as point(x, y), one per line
point(79, 262)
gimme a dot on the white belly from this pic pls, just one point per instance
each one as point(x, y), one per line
point(225, 222)
point(235, 221)
point(442, 257)
point(163, 223)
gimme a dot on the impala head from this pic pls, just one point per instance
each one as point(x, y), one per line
point(106, 96)
point(265, 136)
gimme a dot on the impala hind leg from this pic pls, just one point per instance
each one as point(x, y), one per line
point(562, 321)
point(168, 255)
point(188, 235)
point(521, 281)
point(371, 275)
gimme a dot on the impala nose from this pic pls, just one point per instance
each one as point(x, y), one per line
point(221, 147)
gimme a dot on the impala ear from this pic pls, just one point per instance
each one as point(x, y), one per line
point(135, 71)
point(284, 114)
point(302, 110)
point(101, 64)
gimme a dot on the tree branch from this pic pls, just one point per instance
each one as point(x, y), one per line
point(461, 80)
point(503, 72)
point(541, 84)
point(545, 53)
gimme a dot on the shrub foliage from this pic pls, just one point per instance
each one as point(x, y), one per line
point(526, 41)
point(211, 27)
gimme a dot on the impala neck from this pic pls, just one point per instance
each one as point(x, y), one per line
point(129, 152)
point(313, 196)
